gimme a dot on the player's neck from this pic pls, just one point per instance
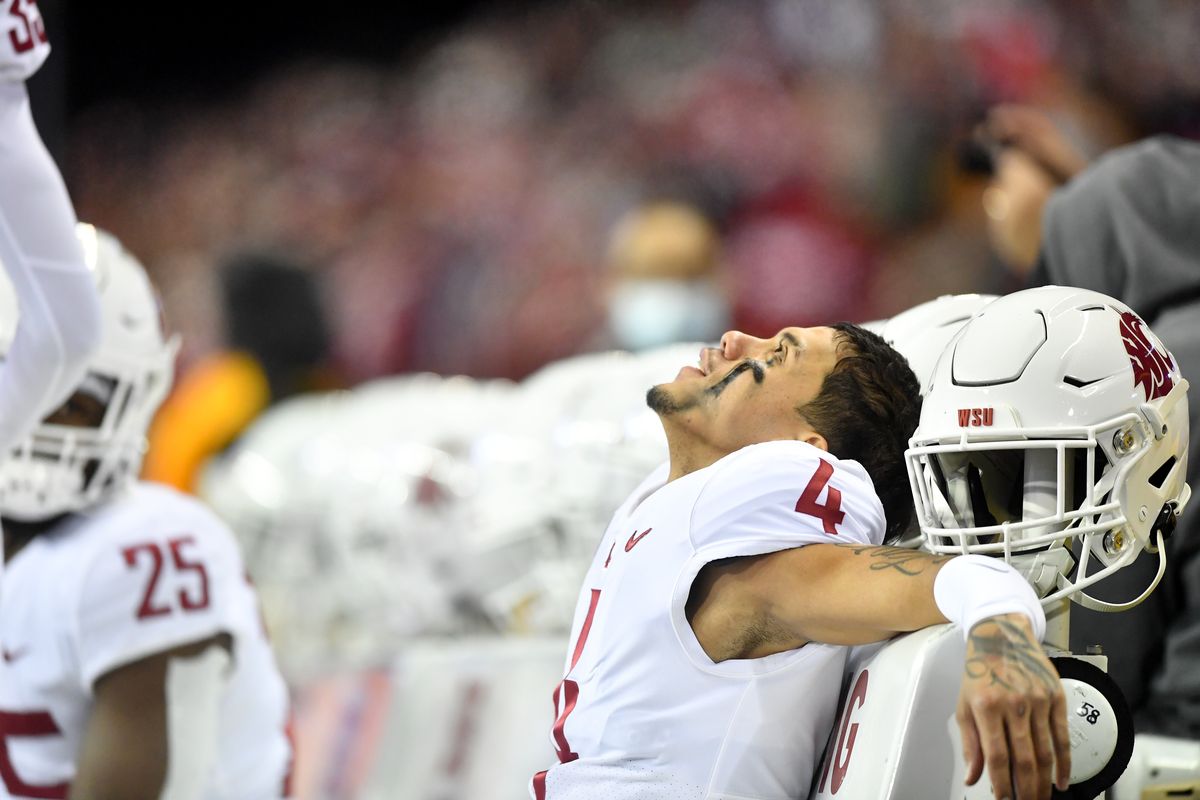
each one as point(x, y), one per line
point(689, 450)
point(17, 534)
point(686, 459)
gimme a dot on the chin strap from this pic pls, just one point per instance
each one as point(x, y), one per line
point(1161, 531)
point(1087, 601)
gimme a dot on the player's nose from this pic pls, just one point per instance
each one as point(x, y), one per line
point(735, 345)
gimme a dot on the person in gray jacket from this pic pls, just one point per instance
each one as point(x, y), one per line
point(1128, 225)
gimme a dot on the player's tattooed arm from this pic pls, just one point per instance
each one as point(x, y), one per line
point(901, 559)
point(844, 594)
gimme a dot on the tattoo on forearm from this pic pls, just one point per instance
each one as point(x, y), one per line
point(997, 644)
point(903, 560)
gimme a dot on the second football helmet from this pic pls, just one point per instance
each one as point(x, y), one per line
point(1054, 416)
point(921, 333)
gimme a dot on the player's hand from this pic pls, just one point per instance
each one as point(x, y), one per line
point(1012, 711)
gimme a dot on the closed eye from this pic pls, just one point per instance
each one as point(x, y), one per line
point(788, 345)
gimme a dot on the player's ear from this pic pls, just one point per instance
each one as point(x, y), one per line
point(816, 440)
point(805, 433)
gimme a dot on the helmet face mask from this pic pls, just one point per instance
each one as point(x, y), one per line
point(1037, 433)
point(60, 467)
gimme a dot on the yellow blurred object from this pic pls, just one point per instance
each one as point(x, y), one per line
point(1173, 790)
point(210, 406)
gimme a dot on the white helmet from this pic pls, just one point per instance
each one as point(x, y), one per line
point(62, 468)
point(263, 485)
point(265, 490)
point(921, 333)
point(352, 508)
point(1055, 415)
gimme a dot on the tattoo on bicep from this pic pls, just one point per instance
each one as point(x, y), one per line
point(1001, 644)
point(903, 560)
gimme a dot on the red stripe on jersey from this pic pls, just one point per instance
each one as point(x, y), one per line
point(587, 627)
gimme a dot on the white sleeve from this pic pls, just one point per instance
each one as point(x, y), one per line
point(58, 302)
point(23, 43)
point(782, 495)
point(149, 592)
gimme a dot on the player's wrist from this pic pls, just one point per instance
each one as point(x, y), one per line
point(1020, 619)
point(973, 589)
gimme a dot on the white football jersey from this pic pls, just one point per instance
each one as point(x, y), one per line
point(642, 711)
point(149, 571)
point(23, 43)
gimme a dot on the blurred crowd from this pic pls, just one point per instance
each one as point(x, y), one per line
point(457, 207)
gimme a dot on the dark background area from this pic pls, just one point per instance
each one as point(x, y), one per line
point(181, 52)
point(160, 49)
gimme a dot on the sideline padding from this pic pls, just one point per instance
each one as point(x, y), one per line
point(469, 718)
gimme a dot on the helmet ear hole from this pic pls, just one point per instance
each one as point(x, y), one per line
point(1160, 475)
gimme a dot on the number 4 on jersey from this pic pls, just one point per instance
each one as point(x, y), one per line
point(830, 512)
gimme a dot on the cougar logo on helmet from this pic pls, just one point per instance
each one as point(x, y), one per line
point(1151, 366)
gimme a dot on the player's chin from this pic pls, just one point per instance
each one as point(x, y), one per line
point(662, 400)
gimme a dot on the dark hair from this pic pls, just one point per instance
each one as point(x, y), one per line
point(273, 311)
point(867, 409)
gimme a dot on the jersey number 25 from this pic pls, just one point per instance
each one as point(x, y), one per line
point(155, 603)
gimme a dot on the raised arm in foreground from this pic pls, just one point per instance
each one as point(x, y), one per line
point(59, 305)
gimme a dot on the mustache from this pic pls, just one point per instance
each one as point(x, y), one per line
point(755, 368)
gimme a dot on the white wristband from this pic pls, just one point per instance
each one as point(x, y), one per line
point(969, 589)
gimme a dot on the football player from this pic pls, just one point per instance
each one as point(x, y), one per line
point(134, 664)
point(708, 642)
point(60, 312)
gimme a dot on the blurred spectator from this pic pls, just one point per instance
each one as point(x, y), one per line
point(797, 261)
point(1126, 226)
point(1029, 157)
point(276, 346)
point(666, 282)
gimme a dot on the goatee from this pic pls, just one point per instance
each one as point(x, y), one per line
point(662, 403)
